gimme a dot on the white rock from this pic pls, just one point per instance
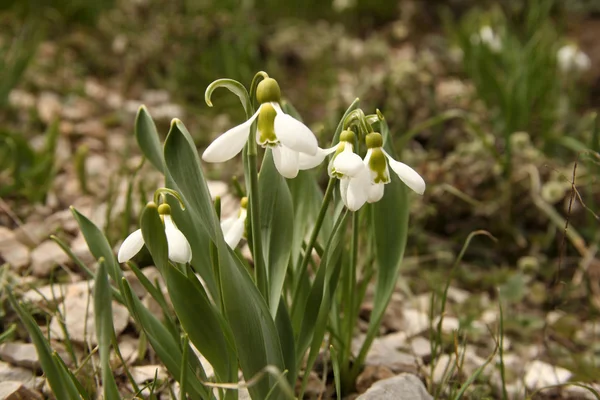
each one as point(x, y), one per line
point(400, 387)
point(420, 347)
point(146, 373)
point(381, 353)
point(415, 322)
point(57, 292)
point(11, 373)
point(45, 257)
point(14, 390)
point(79, 319)
point(449, 324)
point(12, 251)
point(48, 106)
point(457, 295)
point(445, 367)
point(540, 374)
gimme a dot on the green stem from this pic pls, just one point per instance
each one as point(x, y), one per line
point(349, 316)
point(313, 239)
point(260, 273)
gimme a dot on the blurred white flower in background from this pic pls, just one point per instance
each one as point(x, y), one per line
point(571, 59)
point(487, 37)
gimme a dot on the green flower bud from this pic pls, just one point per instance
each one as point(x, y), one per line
point(378, 163)
point(374, 140)
point(164, 209)
point(266, 125)
point(347, 136)
point(268, 91)
point(244, 202)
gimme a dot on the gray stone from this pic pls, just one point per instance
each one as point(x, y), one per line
point(55, 293)
point(21, 354)
point(540, 374)
point(381, 353)
point(11, 373)
point(14, 390)
point(399, 387)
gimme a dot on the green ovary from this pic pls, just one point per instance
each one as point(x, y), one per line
point(266, 126)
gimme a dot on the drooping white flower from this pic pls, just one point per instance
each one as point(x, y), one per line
point(487, 37)
point(368, 184)
point(345, 162)
point(233, 227)
point(286, 136)
point(571, 59)
point(178, 246)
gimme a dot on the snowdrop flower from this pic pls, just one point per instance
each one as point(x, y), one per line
point(488, 37)
point(179, 247)
point(286, 136)
point(368, 185)
point(345, 162)
point(571, 59)
point(233, 227)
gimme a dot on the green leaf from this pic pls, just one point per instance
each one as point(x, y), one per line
point(286, 337)
point(323, 287)
point(147, 138)
point(389, 227)
point(166, 346)
point(62, 387)
point(276, 226)
point(104, 330)
point(190, 302)
point(98, 245)
point(254, 331)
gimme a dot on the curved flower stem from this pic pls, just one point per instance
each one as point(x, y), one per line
point(313, 239)
point(255, 82)
point(163, 192)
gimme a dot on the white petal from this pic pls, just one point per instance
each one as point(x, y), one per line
point(235, 233)
point(306, 161)
point(344, 190)
point(347, 162)
point(294, 134)
point(408, 175)
point(131, 246)
point(358, 191)
point(179, 247)
point(227, 223)
point(229, 144)
point(286, 161)
point(375, 192)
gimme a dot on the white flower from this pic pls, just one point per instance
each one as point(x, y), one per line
point(345, 162)
point(487, 37)
point(179, 247)
point(369, 183)
point(233, 227)
point(571, 59)
point(286, 136)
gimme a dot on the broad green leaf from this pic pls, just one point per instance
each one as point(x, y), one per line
point(254, 331)
point(389, 227)
point(147, 138)
point(332, 264)
point(104, 330)
point(167, 347)
point(62, 387)
point(190, 302)
point(286, 337)
point(306, 199)
point(276, 226)
point(323, 287)
point(98, 245)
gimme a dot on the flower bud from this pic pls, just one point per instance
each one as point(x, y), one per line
point(244, 202)
point(268, 91)
point(374, 140)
